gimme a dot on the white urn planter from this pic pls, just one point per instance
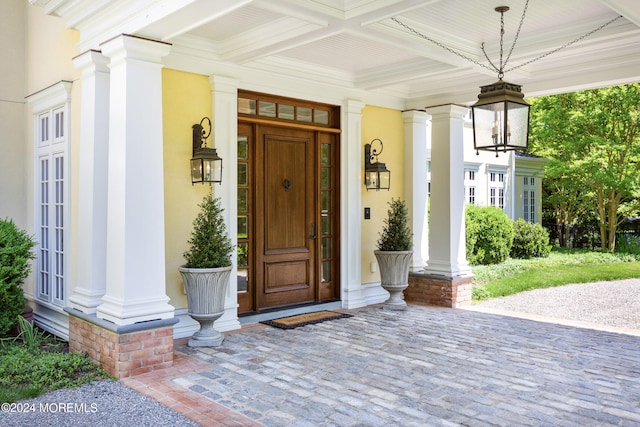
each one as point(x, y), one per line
point(206, 291)
point(394, 276)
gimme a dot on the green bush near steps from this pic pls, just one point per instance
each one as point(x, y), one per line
point(489, 235)
point(15, 266)
point(530, 240)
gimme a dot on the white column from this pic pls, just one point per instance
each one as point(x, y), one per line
point(225, 138)
point(135, 278)
point(415, 181)
point(351, 155)
point(92, 185)
point(447, 247)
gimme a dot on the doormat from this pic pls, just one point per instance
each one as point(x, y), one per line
point(293, 322)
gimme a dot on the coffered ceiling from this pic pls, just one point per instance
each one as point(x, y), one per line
point(357, 44)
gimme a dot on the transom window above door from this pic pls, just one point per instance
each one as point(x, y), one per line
point(272, 107)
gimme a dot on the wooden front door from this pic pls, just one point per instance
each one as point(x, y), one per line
point(288, 212)
point(285, 212)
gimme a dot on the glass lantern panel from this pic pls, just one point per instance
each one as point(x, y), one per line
point(212, 170)
point(371, 180)
point(488, 121)
point(517, 125)
point(196, 170)
point(385, 178)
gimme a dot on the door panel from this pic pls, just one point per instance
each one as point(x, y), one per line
point(285, 212)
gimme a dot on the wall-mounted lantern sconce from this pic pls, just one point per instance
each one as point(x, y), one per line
point(206, 165)
point(376, 174)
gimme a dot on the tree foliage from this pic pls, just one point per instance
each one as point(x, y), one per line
point(592, 141)
point(209, 245)
point(15, 266)
point(489, 235)
point(396, 234)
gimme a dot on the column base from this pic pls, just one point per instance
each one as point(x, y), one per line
point(122, 351)
point(452, 292)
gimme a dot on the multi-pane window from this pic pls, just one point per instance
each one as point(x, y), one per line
point(496, 189)
point(529, 199)
point(242, 246)
point(51, 204)
point(470, 185)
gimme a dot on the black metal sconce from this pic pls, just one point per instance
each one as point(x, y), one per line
point(376, 174)
point(206, 165)
point(501, 115)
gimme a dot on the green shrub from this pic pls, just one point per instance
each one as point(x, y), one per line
point(628, 244)
point(15, 266)
point(209, 245)
point(396, 234)
point(27, 372)
point(489, 235)
point(530, 240)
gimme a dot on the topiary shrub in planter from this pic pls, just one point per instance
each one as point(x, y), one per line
point(395, 248)
point(489, 235)
point(530, 240)
point(207, 271)
point(15, 266)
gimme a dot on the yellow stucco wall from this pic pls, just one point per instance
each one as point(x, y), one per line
point(186, 99)
point(387, 125)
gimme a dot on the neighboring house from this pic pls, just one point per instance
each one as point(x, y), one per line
point(97, 104)
point(511, 181)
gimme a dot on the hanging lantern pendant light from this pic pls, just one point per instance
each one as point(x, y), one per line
point(501, 115)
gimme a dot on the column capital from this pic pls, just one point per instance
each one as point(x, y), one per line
point(134, 47)
point(415, 116)
point(352, 106)
point(224, 84)
point(448, 110)
point(90, 62)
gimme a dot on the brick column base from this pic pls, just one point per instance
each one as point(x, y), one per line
point(438, 290)
point(122, 351)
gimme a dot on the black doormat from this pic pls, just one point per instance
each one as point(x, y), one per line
point(293, 322)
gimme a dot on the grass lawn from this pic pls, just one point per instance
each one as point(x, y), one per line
point(36, 362)
point(560, 268)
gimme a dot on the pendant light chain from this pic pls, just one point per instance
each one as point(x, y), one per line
point(501, 70)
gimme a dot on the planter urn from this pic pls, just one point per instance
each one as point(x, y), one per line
point(394, 276)
point(206, 290)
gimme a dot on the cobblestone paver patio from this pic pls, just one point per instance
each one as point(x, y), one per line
point(427, 366)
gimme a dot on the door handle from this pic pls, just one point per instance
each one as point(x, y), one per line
point(313, 231)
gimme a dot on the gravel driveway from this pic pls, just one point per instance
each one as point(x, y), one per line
point(614, 304)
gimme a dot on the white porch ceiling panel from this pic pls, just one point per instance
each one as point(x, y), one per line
point(356, 44)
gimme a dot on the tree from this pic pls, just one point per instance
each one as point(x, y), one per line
point(592, 141)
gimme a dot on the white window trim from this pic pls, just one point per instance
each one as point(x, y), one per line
point(505, 172)
point(527, 189)
point(48, 102)
point(467, 183)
